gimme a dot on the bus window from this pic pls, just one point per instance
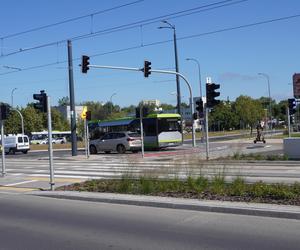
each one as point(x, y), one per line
point(165, 125)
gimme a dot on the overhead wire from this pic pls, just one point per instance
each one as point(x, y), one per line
point(132, 25)
point(164, 41)
point(69, 20)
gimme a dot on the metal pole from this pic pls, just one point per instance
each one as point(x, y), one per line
point(22, 120)
point(72, 101)
point(200, 87)
point(206, 133)
point(3, 149)
point(270, 101)
point(88, 140)
point(177, 70)
point(142, 130)
point(12, 96)
point(157, 71)
point(85, 138)
point(289, 122)
point(50, 148)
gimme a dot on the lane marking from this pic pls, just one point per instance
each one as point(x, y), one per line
point(18, 183)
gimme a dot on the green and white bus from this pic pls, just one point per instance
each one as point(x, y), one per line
point(160, 130)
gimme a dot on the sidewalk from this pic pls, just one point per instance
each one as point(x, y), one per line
point(241, 208)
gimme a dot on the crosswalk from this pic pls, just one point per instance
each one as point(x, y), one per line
point(34, 173)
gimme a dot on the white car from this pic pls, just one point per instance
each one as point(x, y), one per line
point(59, 140)
point(16, 143)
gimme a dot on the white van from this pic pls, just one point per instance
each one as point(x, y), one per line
point(16, 143)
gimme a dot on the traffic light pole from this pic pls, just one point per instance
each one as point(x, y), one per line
point(289, 121)
point(3, 149)
point(72, 100)
point(206, 133)
point(50, 148)
point(161, 72)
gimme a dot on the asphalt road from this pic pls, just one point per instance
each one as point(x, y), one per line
point(28, 222)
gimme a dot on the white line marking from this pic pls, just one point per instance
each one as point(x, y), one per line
point(18, 183)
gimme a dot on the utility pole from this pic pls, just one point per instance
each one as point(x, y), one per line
point(72, 101)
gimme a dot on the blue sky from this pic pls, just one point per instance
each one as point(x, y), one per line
point(231, 58)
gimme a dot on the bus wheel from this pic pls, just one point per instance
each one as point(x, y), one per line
point(121, 149)
point(93, 150)
point(24, 151)
point(12, 151)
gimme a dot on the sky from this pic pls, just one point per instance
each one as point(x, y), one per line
point(233, 41)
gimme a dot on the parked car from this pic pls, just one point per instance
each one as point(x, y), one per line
point(117, 141)
point(16, 143)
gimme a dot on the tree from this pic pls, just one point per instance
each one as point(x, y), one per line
point(224, 116)
point(64, 101)
point(248, 110)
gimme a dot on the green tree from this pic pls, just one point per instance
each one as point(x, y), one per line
point(58, 121)
point(224, 115)
point(64, 101)
point(248, 110)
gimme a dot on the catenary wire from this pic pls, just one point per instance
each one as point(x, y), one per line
point(131, 25)
point(162, 42)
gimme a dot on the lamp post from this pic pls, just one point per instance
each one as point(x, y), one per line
point(270, 108)
point(20, 114)
point(170, 26)
point(200, 86)
point(12, 96)
point(111, 101)
point(199, 71)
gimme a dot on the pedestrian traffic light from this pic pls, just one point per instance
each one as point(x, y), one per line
point(199, 107)
point(211, 94)
point(4, 111)
point(147, 68)
point(42, 104)
point(292, 105)
point(85, 64)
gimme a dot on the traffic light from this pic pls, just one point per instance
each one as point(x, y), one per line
point(88, 115)
point(292, 119)
point(4, 111)
point(199, 107)
point(147, 68)
point(42, 104)
point(211, 94)
point(195, 116)
point(85, 64)
point(292, 105)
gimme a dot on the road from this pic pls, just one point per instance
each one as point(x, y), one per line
point(28, 222)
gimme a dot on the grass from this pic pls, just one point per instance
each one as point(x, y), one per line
point(259, 157)
point(55, 146)
point(197, 188)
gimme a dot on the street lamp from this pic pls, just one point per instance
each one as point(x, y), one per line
point(20, 114)
point(12, 96)
point(111, 101)
point(170, 26)
point(270, 109)
point(199, 71)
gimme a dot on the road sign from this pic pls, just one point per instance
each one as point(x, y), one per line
point(296, 85)
point(83, 113)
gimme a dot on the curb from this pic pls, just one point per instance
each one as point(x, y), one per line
point(240, 208)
